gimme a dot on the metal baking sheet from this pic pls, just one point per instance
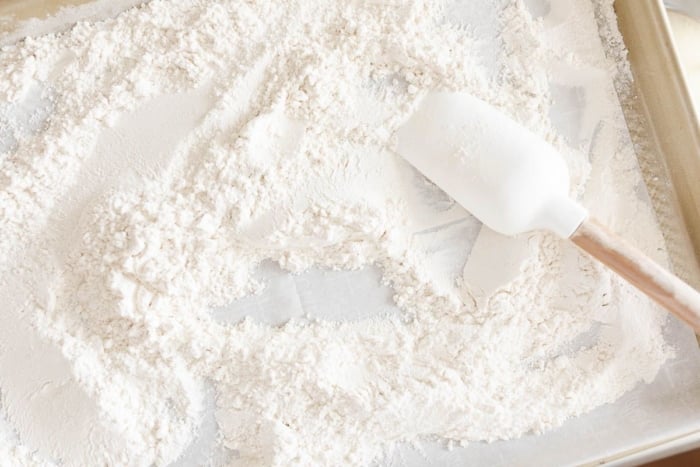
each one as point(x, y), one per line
point(647, 422)
point(669, 145)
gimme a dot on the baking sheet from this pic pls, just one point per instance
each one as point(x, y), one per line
point(657, 414)
point(668, 146)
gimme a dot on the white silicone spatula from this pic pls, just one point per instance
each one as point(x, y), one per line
point(515, 182)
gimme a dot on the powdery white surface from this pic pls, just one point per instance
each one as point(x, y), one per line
point(154, 161)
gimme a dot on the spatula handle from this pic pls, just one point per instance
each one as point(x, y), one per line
point(639, 270)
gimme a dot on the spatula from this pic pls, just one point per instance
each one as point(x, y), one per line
point(515, 182)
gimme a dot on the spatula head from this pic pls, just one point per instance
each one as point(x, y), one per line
point(503, 174)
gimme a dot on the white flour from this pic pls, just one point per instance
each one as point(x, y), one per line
point(188, 142)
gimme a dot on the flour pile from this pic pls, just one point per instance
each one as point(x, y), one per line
point(275, 147)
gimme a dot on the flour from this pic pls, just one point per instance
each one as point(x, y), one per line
point(271, 142)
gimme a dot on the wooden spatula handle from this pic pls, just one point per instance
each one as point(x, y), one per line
point(639, 270)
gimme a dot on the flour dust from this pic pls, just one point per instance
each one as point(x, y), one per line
point(175, 180)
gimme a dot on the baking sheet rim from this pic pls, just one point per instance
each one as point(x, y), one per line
point(660, 44)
